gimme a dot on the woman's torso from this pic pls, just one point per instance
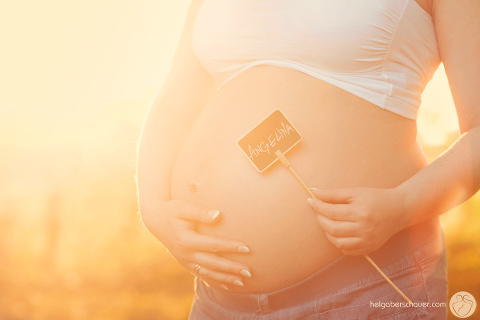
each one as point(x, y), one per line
point(347, 142)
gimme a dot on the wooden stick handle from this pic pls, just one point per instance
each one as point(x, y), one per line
point(287, 164)
point(388, 279)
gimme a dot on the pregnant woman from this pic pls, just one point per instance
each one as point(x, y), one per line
point(349, 76)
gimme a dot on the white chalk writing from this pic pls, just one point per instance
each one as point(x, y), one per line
point(270, 142)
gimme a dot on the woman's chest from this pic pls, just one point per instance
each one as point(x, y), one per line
point(335, 35)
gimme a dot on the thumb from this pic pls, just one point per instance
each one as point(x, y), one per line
point(333, 195)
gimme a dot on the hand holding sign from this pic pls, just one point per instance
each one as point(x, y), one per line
point(267, 143)
point(358, 220)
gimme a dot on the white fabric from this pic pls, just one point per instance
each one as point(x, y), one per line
point(383, 51)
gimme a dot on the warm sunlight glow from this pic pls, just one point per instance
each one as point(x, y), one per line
point(77, 78)
point(437, 118)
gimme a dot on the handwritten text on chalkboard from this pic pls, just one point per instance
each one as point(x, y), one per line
point(272, 134)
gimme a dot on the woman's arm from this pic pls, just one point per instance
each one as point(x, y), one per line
point(360, 220)
point(455, 176)
point(183, 95)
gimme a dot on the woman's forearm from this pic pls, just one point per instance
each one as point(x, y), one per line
point(448, 181)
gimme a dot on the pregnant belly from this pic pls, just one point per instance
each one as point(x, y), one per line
point(341, 147)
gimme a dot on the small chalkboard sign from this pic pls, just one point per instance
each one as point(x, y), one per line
point(272, 134)
point(268, 142)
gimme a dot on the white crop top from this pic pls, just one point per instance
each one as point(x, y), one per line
point(383, 51)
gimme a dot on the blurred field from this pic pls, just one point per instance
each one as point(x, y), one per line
point(71, 242)
point(76, 80)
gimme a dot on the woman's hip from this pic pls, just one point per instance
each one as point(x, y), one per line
point(349, 287)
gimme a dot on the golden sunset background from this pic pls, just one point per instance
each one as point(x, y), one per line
point(76, 80)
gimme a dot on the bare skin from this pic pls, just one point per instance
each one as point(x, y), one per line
point(371, 175)
point(269, 211)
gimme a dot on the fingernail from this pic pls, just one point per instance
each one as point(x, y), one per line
point(245, 273)
point(243, 249)
point(310, 201)
point(238, 283)
point(224, 287)
point(213, 214)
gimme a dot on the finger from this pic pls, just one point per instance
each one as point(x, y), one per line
point(338, 228)
point(217, 284)
point(344, 243)
point(355, 252)
point(334, 196)
point(338, 212)
point(216, 263)
point(191, 212)
point(198, 242)
point(225, 278)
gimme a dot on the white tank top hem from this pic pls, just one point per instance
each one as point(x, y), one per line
point(383, 51)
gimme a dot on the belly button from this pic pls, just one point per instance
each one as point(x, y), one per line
point(194, 186)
